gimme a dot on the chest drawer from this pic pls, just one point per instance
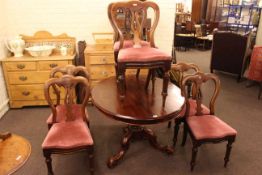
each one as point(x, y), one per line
point(18, 66)
point(27, 92)
point(102, 71)
point(28, 77)
point(31, 92)
point(48, 65)
point(101, 59)
point(104, 46)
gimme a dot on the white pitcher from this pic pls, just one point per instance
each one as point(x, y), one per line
point(16, 46)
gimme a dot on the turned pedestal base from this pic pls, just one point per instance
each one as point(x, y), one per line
point(136, 132)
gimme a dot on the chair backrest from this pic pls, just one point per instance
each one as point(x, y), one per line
point(68, 83)
point(197, 81)
point(135, 18)
point(74, 71)
point(182, 69)
point(70, 70)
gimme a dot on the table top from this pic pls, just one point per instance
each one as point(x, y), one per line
point(139, 106)
point(15, 151)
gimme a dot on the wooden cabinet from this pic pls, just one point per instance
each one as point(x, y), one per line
point(25, 77)
point(100, 63)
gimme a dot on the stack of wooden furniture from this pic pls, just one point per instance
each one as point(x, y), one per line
point(99, 58)
point(25, 76)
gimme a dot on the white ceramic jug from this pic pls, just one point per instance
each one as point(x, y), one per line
point(16, 46)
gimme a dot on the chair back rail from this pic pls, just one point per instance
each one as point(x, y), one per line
point(69, 83)
point(197, 80)
point(135, 13)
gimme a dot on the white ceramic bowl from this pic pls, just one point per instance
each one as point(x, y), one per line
point(40, 51)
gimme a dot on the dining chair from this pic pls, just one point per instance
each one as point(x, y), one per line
point(182, 69)
point(140, 54)
point(71, 135)
point(79, 92)
point(124, 25)
point(205, 128)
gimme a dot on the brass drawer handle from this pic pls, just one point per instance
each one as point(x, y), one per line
point(20, 66)
point(105, 73)
point(23, 78)
point(104, 60)
point(26, 93)
point(53, 65)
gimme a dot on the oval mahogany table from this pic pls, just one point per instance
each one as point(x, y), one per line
point(139, 107)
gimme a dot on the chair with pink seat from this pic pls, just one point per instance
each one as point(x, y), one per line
point(205, 128)
point(124, 22)
point(72, 134)
point(135, 53)
point(182, 69)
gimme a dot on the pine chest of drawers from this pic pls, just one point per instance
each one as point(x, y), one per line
point(99, 63)
point(25, 77)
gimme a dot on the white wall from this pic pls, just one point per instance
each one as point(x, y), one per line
point(78, 18)
point(3, 53)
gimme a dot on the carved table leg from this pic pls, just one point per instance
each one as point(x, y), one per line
point(113, 160)
point(137, 132)
point(153, 141)
point(5, 135)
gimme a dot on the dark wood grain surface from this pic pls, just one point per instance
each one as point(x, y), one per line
point(139, 106)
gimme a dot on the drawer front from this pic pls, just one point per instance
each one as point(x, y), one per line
point(33, 77)
point(18, 66)
point(48, 65)
point(27, 92)
point(31, 92)
point(102, 71)
point(103, 47)
point(102, 59)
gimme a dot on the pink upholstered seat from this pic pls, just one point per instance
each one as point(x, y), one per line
point(144, 54)
point(129, 43)
point(68, 135)
point(61, 110)
point(209, 127)
point(192, 109)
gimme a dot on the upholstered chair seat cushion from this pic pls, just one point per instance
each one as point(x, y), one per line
point(209, 127)
point(68, 135)
point(129, 43)
point(61, 111)
point(192, 109)
point(143, 54)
